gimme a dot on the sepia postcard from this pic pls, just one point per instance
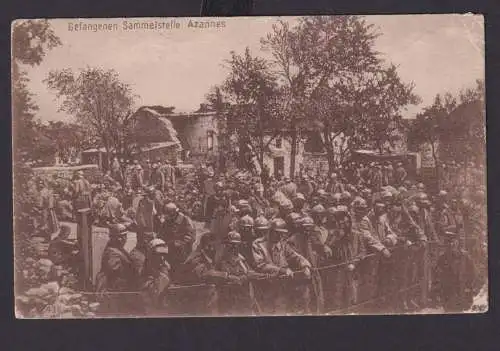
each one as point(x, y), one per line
point(249, 166)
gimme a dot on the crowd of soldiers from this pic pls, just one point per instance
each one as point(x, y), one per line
point(274, 233)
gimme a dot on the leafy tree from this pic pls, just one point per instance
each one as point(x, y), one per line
point(253, 105)
point(101, 103)
point(67, 138)
point(336, 83)
point(31, 39)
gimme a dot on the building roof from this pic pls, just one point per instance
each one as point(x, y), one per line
point(155, 146)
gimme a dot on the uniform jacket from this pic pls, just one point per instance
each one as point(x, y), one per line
point(145, 213)
point(117, 271)
point(271, 258)
point(364, 229)
point(179, 235)
point(381, 228)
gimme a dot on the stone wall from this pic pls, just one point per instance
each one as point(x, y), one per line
point(91, 172)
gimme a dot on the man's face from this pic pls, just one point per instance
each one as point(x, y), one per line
point(396, 209)
point(233, 249)
point(275, 236)
point(210, 248)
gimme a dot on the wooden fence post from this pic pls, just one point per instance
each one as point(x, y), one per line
point(426, 276)
point(84, 235)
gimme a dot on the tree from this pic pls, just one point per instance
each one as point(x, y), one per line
point(215, 102)
point(31, 39)
point(68, 138)
point(336, 82)
point(253, 105)
point(101, 103)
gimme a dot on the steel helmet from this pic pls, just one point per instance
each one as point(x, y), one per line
point(170, 208)
point(322, 192)
point(279, 225)
point(246, 221)
point(261, 222)
point(359, 203)
point(341, 210)
point(299, 196)
point(307, 222)
point(158, 246)
point(318, 210)
point(286, 205)
point(293, 217)
point(345, 195)
point(233, 237)
point(117, 229)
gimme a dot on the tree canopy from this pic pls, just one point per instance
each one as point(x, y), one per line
point(99, 101)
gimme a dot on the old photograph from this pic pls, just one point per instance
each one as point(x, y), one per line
point(249, 166)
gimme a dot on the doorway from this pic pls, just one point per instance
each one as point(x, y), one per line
point(279, 166)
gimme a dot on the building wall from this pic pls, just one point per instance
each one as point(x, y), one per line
point(283, 151)
point(194, 131)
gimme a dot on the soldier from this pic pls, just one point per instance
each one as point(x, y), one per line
point(137, 176)
point(81, 191)
point(388, 174)
point(261, 225)
point(456, 282)
point(443, 217)
point(308, 243)
point(319, 215)
point(376, 181)
point(117, 278)
point(145, 214)
point(299, 202)
point(200, 267)
point(335, 185)
point(424, 219)
point(382, 230)
point(46, 204)
point(246, 231)
point(362, 225)
point(400, 175)
point(347, 247)
point(273, 255)
point(236, 296)
point(345, 199)
point(157, 178)
point(179, 233)
point(156, 277)
point(169, 172)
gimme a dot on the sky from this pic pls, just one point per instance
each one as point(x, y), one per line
point(177, 67)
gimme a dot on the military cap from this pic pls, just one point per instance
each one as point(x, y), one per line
point(232, 237)
point(279, 225)
point(318, 209)
point(359, 203)
point(307, 222)
point(117, 229)
point(158, 245)
point(261, 223)
point(246, 221)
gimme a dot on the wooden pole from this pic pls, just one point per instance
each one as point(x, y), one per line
point(84, 235)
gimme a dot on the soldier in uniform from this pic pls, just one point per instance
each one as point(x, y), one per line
point(236, 295)
point(443, 217)
point(362, 225)
point(424, 218)
point(400, 175)
point(81, 191)
point(245, 229)
point(261, 226)
point(456, 281)
point(157, 178)
point(137, 176)
point(179, 233)
point(117, 281)
point(273, 255)
point(156, 277)
point(335, 185)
